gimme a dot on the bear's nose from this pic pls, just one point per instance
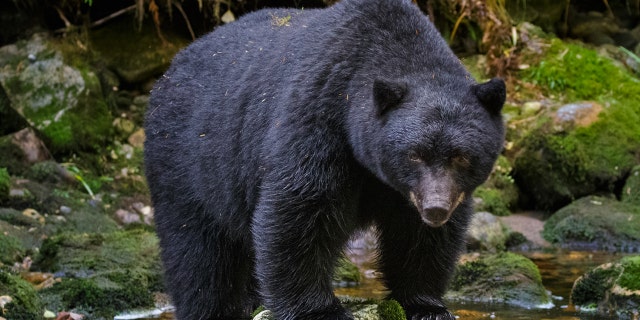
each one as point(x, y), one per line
point(435, 215)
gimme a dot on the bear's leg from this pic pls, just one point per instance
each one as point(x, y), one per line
point(208, 275)
point(297, 245)
point(417, 261)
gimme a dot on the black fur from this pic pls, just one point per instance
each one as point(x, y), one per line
point(266, 150)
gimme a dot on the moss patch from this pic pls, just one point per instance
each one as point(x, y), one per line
point(25, 302)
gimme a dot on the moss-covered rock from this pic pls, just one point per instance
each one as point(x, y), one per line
point(610, 289)
point(595, 223)
point(25, 303)
point(631, 189)
point(56, 97)
point(103, 273)
point(557, 164)
point(499, 278)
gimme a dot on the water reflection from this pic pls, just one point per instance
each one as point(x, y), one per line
point(558, 270)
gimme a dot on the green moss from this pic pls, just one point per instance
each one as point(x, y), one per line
point(631, 189)
point(499, 193)
point(11, 249)
point(25, 302)
point(113, 272)
point(561, 166)
point(346, 272)
point(590, 289)
point(5, 184)
point(492, 201)
point(630, 277)
point(391, 310)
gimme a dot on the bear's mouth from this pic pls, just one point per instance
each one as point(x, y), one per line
point(436, 210)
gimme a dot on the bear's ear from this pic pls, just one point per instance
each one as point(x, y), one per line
point(387, 95)
point(491, 94)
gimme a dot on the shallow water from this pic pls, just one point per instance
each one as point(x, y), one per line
point(558, 270)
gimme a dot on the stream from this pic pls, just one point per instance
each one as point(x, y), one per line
point(558, 270)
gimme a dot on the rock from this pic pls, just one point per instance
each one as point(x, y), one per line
point(530, 226)
point(499, 278)
point(486, 233)
point(127, 217)
point(631, 189)
point(20, 150)
point(612, 289)
point(531, 108)
point(56, 98)
point(580, 114)
point(136, 139)
point(595, 223)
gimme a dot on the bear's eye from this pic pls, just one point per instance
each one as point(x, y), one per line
point(414, 157)
point(461, 161)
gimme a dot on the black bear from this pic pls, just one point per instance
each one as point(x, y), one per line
point(271, 140)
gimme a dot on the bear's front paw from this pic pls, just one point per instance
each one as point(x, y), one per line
point(439, 315)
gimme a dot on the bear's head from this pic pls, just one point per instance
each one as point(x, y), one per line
point(433, 143)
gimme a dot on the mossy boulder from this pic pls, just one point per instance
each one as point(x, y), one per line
point(499, 278)
point(25, 303)
point(610, 289)
point(103, 273)
point(57, 95)
point(555, 164)
point(595, 223)
point(631, 189)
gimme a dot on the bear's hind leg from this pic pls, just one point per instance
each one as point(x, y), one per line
point(208, 275)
